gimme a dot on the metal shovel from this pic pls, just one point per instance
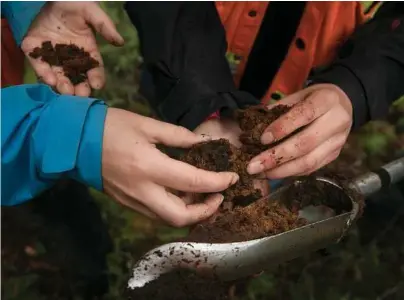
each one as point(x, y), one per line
point(230, 261)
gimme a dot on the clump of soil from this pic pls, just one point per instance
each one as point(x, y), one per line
point(220, 155)
point(181, 285)
point(75, 61)
point(257, 220)
point(253, 122)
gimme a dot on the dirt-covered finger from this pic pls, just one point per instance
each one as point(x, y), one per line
point(178, 214)
point(181, 176)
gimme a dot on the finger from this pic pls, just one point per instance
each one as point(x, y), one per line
point(301, 143)
point(82, 89)
point(98, 19)
point(63, 85)
point(96, 76)
point(311, 161)
point(330, 158)
point(190, 198)
point(301, 114)
point(181, 176)
point(175, 212)
point(43, 71)
point(133, 204)
point(158, 132)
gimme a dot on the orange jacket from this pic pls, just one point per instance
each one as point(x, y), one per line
point(324, 27)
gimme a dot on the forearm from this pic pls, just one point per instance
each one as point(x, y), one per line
point(184, 47)
point(46, 137)
point(370, 65)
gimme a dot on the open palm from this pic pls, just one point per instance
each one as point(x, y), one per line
point(70, 23)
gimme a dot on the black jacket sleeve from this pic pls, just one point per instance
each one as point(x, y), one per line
point(370, 65)
point(183, 45)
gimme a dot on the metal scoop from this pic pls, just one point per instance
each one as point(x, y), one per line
point(230, 261)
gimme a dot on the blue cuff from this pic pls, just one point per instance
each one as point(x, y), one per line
point(89, 160)
point(20, 15)
point(74, 129)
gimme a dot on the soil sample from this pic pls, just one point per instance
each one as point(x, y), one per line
point(253, 122)
point(258, 220)
point(218, 156)
point(181, 285)
point(74, 61)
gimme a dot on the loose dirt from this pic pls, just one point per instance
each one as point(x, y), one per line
point(236, 222)
point(182, 285)
point(74, 61)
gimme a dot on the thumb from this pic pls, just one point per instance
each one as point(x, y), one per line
point(99, 20)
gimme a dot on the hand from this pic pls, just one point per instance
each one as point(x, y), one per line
point(230, 130)
point(66, 23)
point(326, 112)
point(138, 175)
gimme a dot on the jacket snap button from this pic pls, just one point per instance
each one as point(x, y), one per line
point(300, 44)
point(252, 13)
point(276, 96)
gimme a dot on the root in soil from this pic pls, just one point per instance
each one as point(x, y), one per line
point(74, 61)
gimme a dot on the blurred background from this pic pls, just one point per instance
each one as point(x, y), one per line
point(55, 257)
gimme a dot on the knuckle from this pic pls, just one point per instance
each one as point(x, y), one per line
point(308, 165)
point(306, 143)
point(309, 114)
point(278, 129)
point(195, 182)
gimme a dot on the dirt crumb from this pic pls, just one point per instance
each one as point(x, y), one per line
point(74, 61)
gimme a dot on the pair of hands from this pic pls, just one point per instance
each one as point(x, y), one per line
point(324, 109)
point(135, 173)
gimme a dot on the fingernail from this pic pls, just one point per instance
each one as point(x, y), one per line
point(234, 179)
point(267, 138)
point(255, 167)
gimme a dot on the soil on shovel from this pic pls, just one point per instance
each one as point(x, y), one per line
point(236, 222)
point(74, 61)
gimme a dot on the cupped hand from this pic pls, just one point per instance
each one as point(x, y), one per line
point(70, 23)
point(138, 175)
point(323, 113)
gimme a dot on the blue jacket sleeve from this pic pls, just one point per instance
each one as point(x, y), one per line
point(19, 15)
point(46, 136)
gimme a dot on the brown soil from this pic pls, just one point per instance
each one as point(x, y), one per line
point(257, 220)
point(182, 285)
point(235, 222)
point(75, 61)
point(220, 155)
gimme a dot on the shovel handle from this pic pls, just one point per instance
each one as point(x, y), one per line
point(380, 179)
